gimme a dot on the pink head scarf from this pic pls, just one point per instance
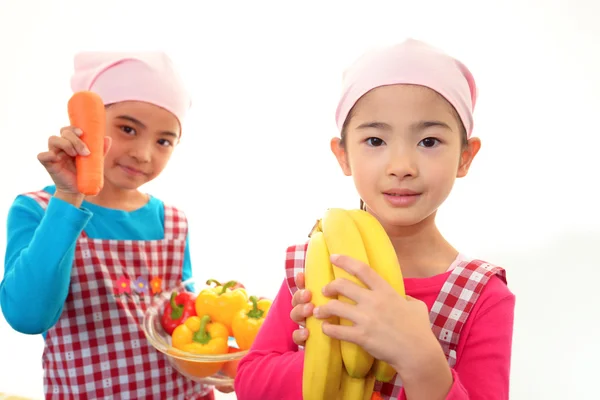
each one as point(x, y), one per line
point(134, 76)
point(410, 62)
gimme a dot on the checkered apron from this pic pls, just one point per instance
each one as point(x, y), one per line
point(448, 313)
point(97, 349)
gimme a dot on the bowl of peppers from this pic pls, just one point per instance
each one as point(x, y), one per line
point(205, 329)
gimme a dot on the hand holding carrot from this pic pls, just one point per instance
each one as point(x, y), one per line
point(59, 160)
point(75, 160)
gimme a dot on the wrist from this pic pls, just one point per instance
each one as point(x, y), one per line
point(430, 379)
point(76, 199)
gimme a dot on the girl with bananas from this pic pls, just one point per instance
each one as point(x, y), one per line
point(406, 120)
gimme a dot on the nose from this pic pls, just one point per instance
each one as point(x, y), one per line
point(141, 151)
point(402, 163)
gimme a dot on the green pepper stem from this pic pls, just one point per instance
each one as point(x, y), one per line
point(211, 281)
point(227, 286)
point(202, 336)
point(176, 309)
point(255, 312)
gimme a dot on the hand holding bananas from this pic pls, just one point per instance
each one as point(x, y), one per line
point(389, 327)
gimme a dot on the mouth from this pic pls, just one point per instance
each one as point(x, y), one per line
point(401, 197)
point(132, 171)
point(401, 193)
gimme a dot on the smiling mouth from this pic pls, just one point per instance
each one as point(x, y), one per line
point(132, 171)
point(406, 193)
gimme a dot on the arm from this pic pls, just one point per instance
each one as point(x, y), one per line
point(272, 370)
point(38, 261)
point(483, 368)
point(187, 264)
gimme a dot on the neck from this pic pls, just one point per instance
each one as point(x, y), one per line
point(421, 249)
point(117, 198)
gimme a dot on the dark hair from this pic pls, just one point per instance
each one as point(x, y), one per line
point(343, 135)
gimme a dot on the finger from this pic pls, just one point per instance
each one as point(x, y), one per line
point(47, 157)
point(299, 336)
point(301, 312)
point(75, 130)
point(225, 389)
point(362, 271)
point(300, 280)
point(301, 297)
point(57, 144)
point(341, 309)
point(346, 288)
point(77, 143)
point(343, 332)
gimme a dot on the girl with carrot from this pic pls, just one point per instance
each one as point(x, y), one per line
point(86, 256)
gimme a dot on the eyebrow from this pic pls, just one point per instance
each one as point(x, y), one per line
point(416, 127)
point(141, 124)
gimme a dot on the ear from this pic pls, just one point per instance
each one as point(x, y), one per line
point(341, 155)
point(467, 156)
point(107, 144)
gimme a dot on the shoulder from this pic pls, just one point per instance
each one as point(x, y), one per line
point(35, 200)
point(294, 263)
point(494, 284)
point(167, 209)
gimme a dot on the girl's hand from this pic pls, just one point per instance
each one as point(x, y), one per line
point(225, 389)
point(59, 160)
point(391, 328)
point(303, 309)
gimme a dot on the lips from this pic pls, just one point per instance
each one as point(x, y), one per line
point(401, 197)
point(401, 192)
point(132, 170)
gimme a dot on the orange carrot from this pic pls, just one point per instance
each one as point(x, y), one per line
point(86, 112)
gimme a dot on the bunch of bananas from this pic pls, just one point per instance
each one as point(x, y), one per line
point(333, 369)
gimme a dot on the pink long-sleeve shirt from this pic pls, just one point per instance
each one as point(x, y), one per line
point(272, 370)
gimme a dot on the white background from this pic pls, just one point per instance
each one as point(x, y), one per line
point(265, 79)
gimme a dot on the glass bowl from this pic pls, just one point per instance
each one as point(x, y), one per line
point(217, 370)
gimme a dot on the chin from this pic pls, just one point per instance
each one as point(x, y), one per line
point(401, 217)
point(126, 184)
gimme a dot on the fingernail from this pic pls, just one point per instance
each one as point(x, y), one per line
point(306, 307)
point(316, 312)
point(85, 152)
point(77, 131)
point(334, 257)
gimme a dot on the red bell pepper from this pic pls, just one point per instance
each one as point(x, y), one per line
point(177, 310)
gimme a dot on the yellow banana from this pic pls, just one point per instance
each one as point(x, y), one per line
point(343, 237)
point(352, 388)
point(383, 259)
point(369, 386)
point(323, 367)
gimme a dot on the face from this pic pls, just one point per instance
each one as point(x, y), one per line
point(404, 151)
point(143, 137)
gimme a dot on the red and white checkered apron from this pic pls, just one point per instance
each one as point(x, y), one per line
point(97, 349)
point(448, 313)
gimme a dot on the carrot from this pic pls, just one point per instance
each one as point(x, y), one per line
point(86, 112)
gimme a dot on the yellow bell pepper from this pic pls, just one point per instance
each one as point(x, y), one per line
point(247, 322)
point(201, 337)
point(221, 302)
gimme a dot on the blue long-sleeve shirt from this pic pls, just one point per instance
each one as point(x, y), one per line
point(41, 247)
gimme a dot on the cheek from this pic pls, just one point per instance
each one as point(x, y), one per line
point(442, 174)
point(161, 157)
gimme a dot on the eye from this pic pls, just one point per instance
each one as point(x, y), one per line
point(127, 129)
point(165, 142)
point(374, 141)
point(429, 142)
